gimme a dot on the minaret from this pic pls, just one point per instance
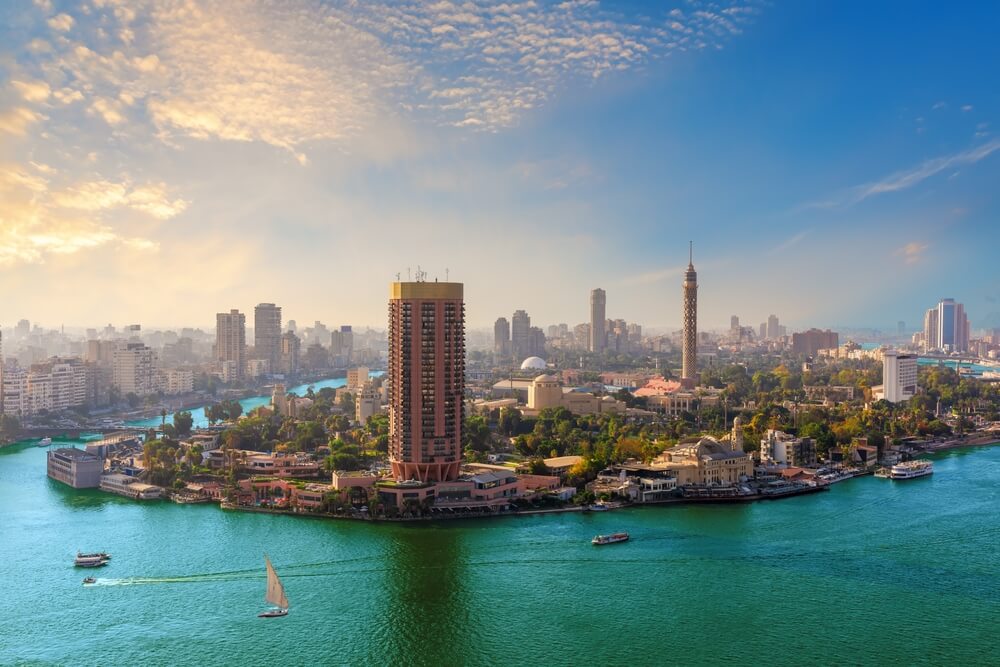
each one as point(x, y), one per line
point(689, 353)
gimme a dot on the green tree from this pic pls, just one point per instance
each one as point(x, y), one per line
point(183, 423)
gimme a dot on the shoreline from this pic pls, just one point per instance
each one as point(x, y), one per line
point(735, 500)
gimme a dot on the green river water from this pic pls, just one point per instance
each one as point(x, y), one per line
point(872, 572)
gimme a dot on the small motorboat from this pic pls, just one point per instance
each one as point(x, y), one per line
point(89, 580)
point(44, 442)
point(613, 538)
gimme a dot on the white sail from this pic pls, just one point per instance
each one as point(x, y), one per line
point(275, 591)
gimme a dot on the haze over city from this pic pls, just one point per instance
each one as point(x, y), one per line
point(534, 150)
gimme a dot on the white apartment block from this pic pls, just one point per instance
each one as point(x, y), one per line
point(899, 376)
point(178, 381)
point(57, 384)
point(135, 370)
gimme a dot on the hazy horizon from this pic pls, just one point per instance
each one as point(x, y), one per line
point(165, 162)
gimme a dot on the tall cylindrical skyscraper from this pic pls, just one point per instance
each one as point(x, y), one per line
point(689, 353)
point(426, 380)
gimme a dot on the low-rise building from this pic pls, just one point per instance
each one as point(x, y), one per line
point(74, 467)
point(281, 465)
point(706, 462)
point(560, 465)
point(128, 486)
point(547, 392)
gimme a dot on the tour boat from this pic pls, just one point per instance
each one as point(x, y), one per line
point(89, 580)
point(275, 593)
point(103, 555)
point(44, 442)
point(90, 561)
point(609, 539)
point(911, 469)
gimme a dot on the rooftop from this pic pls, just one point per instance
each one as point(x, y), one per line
point(74, 454)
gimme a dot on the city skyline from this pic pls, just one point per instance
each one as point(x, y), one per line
point(164, 194)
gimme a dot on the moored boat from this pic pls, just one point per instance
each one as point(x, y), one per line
point(275, 593)
point(600, 540)
point(44, 442)
point(598, 507)
point(911, 469)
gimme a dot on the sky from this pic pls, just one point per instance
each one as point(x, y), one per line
point(836, 164)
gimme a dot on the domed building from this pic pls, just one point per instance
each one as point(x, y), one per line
point(547, 392)
point(707, 462)
point(533, 364)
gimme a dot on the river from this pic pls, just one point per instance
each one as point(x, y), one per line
point(198, 414)
point(873, 572)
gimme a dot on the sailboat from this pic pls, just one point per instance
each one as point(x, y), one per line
point(275, 593)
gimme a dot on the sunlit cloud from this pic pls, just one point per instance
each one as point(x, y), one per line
point(912, 253)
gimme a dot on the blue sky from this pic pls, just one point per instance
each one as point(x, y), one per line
point(834, 163)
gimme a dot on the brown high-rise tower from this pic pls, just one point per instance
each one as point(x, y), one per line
point(689, 353)
point(426, 380)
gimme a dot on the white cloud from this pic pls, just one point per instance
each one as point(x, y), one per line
point(38, 220)
point(61, 22)
point(292, 73)
point(17, 120)
point(32, 91)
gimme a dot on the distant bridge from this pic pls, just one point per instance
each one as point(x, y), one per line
point(74, 433)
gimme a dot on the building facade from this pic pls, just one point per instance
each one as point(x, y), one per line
point(946, 327)
point(74, 467)
point(520, 328)
point(501, 337)
point(899, 376)
point(810, 342)
point(598, 315)
point(231, 340)
point(291, 346)
point(135, 369)
point(267, 333)
point(426, 380)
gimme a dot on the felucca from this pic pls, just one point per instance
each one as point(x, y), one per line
point(275, 593)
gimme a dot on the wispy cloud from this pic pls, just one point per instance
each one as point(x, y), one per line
point(788, 243)
point(912, 253)
point(907, 178)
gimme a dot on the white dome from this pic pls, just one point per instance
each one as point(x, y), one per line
point(533, 363)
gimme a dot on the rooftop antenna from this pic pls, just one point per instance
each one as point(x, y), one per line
point(397, 277)
point(408, 277)
point(691, 252)
point(446, 274)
